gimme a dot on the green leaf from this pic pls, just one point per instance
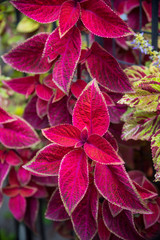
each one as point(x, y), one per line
point(155, 146)
point(140, 125)
point(27, 25)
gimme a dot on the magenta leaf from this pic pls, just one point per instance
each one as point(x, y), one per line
point(38, 9)
point(4, 169)
point(110, 138)
point(5, 117)
point(27, 56)
point(107, 71)
point(55, 209)
point(23, 176)
point(12, 158)
point(65, 135)
point(114, 184)
point(69, 48)
point(103, 232)
point(41, 108)
point(17, 206)
point(91, 110)
point(151, 219)
point(143, 192)
point(69, 15)
point(114, 209)
point(47, 181)
point(101, 151)
point(31, 213)
point(18, 134)
point(58, 112)
point(24, 85)
point(11, 191)
point(73, 178)
point(31, 115)
point(122, 225)
point(83, 220)
point(47, 161)
point(101, 20)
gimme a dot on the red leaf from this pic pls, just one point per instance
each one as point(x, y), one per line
point(100, 150)
point(151, 219)
point(41, 108)
point(55, 209)
point(12, 158)
point(27, 56)
point(38, 9)
point(69, 15)
point(25, 85)
point(114, 209)
point(122, 225)
point(103, 232)
point(17, 206)
point(58, 112)
point(47, 161)
point(5, 117)
point(77, 87)
point(83, 220)
point(115, 185)
point(18, 134)
point(44, 92)
point(27, 191)
point(69, 47)
point(101, 20)
point(107, 71)
point(65, 135)
point(31, 115)
point(11, 191)
point(91, 110)
point(73, 178)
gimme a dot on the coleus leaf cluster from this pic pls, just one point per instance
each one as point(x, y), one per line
point(142, 120)
point(78, 153)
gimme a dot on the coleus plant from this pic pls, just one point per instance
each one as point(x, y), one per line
point(90, 186)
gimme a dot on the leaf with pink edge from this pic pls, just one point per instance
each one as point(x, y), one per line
point(4, 170)
point(69, 15)
point(17, 206)
point(114, 209)
point(18, 134)
point(83, 220)
point(107, 71)
point(5, 117)
point(65, 135)
point(47, 160)
point(27, 56)
point(23, 176)
point(100, 150)
point(77, 87)
point(69, 47)
point(143, 192)
point(120, 224)
point(151, 219)
point(38, 9)
point(24, 85)
point(91, 110)
point(103, 232)
point(31, 213)
point(73, 178)
point(101, 20)
point(47, 181)
point(55, 209)
point(110, 138)
point(44, 92)
point(41, 108)
point(114, 184)
point(58, 112)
